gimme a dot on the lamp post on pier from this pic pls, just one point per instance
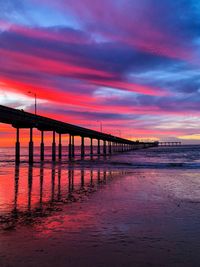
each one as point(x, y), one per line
point(101, 128)
point(35, 96)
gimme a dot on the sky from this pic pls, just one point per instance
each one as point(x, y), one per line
point(131, 66)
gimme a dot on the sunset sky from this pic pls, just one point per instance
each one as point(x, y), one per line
point(132, 66)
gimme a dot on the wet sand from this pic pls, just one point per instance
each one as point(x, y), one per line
point(144, 217)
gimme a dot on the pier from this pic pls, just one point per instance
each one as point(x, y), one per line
point(20, 119)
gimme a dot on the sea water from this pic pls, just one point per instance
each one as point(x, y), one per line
point(137, 208)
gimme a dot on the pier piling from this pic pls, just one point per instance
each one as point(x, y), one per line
point(82, 147)
point(60, 147)
point(91, 147)
point(73, 147)
point(98, 147)
point(104, 148)
point(54, 147)
point(110, 147)
point(70, 147)
point(17, 147)
point(31, 146)
point(42, 146)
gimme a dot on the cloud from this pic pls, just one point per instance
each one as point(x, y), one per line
point(128, 63)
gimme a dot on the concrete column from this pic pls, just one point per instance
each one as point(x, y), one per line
point(91, 147)
point(104, 147)
point(82, 147)
point(115, 147)
point(17, 147)
point(110, 147)
point(98, 147)
point(31, 146)
point(70, 147)
point(73, 151)
point(54, 147)
point(60, 147)
point(119, 147)
point(42, 146)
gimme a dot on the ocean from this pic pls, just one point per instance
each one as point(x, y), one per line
point(137, 208)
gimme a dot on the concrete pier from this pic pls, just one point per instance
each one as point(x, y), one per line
point(60, 147)
point(25, 120)
point(110, 147)
point(17, 147)
point(91, 147)
point(82, 147)
point(104, 148)
point(31, 146)
point(42, 146)
point(98, 147)
point(70, 147)
point(54, 147)
point(73, 146)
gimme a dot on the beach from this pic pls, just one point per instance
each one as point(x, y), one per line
point(140, 208)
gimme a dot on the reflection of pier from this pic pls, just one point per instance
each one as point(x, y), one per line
point(169, 143)
point(106, 144)
point(64, 186)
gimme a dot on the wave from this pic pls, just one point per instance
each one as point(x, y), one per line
point(117, 164)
